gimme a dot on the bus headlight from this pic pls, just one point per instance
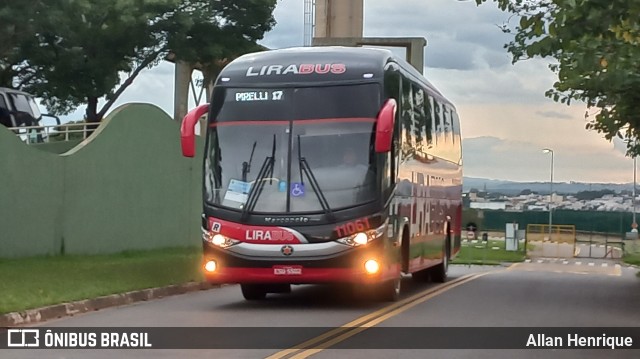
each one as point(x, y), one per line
point(219, 240)
point(362, 238)
point(211, 266)
point(371, 266)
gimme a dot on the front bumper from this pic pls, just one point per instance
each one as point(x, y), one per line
point(309, 263)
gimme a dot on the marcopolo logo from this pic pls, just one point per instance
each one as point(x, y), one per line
point(23, 338)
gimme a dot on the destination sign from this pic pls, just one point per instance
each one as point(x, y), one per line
point(247, 96)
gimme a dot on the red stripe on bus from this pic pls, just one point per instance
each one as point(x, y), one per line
point(280, 122)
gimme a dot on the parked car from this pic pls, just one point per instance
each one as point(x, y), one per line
point(19, 109)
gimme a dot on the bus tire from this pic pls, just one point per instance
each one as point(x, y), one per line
point(439, 272)
point(389, 291)
point(422, 276)
point(253, 291)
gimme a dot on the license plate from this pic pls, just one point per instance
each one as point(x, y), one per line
point(287, 270)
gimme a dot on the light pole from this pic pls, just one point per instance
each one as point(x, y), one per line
point(548, 150)
point(634, 225)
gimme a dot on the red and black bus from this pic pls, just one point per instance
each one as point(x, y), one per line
point(327, 165)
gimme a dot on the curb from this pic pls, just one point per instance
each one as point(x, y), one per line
point(37, 315)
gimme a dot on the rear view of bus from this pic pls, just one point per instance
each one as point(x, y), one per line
point(297, 173)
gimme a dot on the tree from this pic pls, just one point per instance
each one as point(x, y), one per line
point(220, 31)
point(83, 50)
point(591, 195)
point(16, 27)
point(595, 44)
point(525, 192)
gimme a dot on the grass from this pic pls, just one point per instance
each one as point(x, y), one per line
point(631, 252)
point(39, 281)
point(470, 254)
point(633, 258)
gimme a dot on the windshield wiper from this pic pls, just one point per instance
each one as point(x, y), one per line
point(246, 166)
point(266, 170)
point(305, 169)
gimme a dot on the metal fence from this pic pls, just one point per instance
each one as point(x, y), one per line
point(555, 233)
point(584, 221)
point(50, 133)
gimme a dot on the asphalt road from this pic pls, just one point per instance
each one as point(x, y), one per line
point(545, 293)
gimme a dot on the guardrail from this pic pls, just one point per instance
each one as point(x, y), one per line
point(45, 134)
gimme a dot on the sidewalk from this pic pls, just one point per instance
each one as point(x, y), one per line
point(37, 315)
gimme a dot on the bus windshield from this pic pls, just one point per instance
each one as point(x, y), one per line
point(296, 147)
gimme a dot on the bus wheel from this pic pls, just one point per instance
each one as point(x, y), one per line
point(439, 273)
point(389, 291)
point(422, 276)
point(253, 291)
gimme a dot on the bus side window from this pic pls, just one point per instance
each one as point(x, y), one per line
point(456, 135)
point(437, 119)
point(392, 89)
point(428, 111)
point(407, 118)
point(446, 128)
point(419, 118)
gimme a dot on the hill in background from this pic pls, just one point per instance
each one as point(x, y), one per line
point(514, 188)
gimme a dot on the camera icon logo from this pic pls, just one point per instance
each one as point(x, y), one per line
point(23, 338)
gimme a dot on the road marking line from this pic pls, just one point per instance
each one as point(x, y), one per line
point(578, 263)
point(565, 262)
point(605, 264)
point(540, 260)
point(332, 337)
point(527, 260)
point(591, 264)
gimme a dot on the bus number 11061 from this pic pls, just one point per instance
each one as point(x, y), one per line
point(352, 227)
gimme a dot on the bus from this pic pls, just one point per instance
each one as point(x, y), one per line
point(327, 165)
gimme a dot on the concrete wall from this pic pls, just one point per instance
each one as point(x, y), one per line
point(31, 198)
point(56, 147)
point(125, 187)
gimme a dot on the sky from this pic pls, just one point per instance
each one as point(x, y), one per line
point(506, 120)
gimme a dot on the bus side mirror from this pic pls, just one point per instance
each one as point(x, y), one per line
point(187, 129)
point(384, 126)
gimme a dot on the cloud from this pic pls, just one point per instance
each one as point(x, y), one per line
point(619, 145)
point(493, 157)
point(289, 30)
point(554, 114)
point(524, 83)
point(459, 35)
point(506, 119)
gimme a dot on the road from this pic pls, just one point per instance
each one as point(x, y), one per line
point(538, 293)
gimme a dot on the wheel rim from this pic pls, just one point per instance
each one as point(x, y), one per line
point(396, 286)
point(446, 261)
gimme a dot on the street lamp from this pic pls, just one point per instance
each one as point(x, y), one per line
point(548, 150)
point(634, 225)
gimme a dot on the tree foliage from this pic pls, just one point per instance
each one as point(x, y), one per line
point(591, 195)
point(75, 52)
point(595, 45)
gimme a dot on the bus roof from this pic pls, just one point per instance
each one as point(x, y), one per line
point(312, 64)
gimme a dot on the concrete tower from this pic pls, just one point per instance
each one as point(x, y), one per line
point(339, 18)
